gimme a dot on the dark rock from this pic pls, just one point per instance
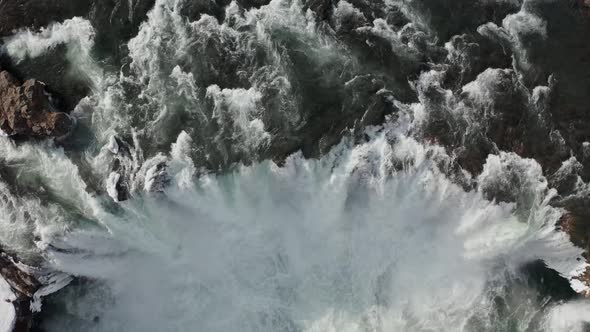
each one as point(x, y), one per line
point(157, 178)
point(121, 169)
point(115, 22)
point(26, 110)
point(67, 85)
point(24, 287)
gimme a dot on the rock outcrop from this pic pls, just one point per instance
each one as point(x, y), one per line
point(26, 110)
point(24, 287)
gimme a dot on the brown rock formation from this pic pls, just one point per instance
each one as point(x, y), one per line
point(25, 109)
point(24, 287)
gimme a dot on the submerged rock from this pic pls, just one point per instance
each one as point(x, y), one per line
point(26, 109)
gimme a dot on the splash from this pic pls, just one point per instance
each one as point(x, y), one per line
point(348, 243)
point(381, 232)
point(76, 33)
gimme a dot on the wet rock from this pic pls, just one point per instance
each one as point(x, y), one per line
point(117, 187)
point(570, 224)
point(20, 281)
point(26, 110)
point(67, 85)
point(117, 184)
point(114, 21)
point(24, 287)
point(157, 178)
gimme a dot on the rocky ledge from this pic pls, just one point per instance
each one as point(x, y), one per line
point(26, 110)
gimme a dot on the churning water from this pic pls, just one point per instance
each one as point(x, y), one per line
point(375, 233)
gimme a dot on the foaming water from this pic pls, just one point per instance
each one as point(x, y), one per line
point(345, 243)
point(375, 235)
point(566, 317)
point(76, 33)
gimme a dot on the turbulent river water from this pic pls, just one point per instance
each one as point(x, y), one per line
point(278, 178)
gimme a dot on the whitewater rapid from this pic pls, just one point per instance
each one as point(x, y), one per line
point(370, 237)
point(377, 233)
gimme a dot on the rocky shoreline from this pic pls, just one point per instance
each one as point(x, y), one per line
point(26, 111)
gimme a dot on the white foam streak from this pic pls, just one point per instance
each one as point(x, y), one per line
point(45, 170)
point(76, 33)
point(238, 112)
point(515, 29)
